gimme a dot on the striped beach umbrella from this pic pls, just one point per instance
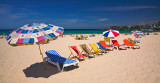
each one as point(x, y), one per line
point(139, 33)
point(111, 33)
point(36, 33)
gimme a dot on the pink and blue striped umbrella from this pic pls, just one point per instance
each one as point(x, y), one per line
point(139, 33)
point(35, 33)
point(111, 33)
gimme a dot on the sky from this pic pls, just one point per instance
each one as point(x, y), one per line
point(78, 14)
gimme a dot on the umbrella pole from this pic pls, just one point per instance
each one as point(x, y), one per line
point(42, 56)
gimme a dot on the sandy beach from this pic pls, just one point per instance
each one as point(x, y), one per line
point(23, 64)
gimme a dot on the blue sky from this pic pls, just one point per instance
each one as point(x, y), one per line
point(78, 14)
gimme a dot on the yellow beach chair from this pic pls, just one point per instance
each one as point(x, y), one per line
point(95, 48)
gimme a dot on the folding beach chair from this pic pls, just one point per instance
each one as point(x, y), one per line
point(128, 44)
point(54, 58)
point(133, 41)
point(103, 43)
point(116, 45)
point(103, 48)
point(79, 55)
point(86, 50)
point(94, 47)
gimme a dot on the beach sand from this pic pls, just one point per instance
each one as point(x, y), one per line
point(23, 64)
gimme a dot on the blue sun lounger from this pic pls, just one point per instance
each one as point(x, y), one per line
point(56, 59)
point(103, 48)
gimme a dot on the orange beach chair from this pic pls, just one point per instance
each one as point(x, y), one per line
point(128, 44)
point(103, 43)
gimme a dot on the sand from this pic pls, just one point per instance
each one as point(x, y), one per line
point(23, 64)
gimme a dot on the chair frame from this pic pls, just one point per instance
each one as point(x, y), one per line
point(48, 60)
point(102, 48)
point(138, 46)
point(73, 54)
point(118, 47)
point(110, 48)
point(97, 53)
point(85, 51)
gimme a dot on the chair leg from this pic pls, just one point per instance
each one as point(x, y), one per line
point(117, 48)
point(58, 66)
point(70, 55)
point(62, 69)
point(76, 64)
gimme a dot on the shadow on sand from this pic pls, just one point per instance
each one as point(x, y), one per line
point(37, 70)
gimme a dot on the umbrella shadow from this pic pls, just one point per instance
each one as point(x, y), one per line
point(37, 70)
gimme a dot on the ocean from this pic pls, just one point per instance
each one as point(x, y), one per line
point(80, 31)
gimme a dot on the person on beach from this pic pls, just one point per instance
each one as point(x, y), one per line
point(81, 37)
point(77, 38)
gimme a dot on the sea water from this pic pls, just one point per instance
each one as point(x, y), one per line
point(79, 31)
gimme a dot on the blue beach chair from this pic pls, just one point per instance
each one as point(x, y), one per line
point(56, 59)
point(103, 48)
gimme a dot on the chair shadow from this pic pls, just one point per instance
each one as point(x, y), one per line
point(122, 49)
point(37, 70)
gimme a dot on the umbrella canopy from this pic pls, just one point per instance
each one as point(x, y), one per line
point(139, 33)
point(111, 33)
point(35, 33)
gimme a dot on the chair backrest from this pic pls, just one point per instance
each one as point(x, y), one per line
point(94, 47)
point(103, 43)
point(85, 48)
point(115, 42)
point(54, 56)
point(127, 42)
point(131, 41)
point(103, 48)
point(75, 49)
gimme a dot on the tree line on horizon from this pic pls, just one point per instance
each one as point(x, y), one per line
point(136, 27)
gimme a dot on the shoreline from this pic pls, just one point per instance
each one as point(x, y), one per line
point(85, 31)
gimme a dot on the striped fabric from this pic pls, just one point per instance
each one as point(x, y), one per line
point(139, 33)
point(54, 56)
point(111, 33)
point(34, 33)
point(103, 48)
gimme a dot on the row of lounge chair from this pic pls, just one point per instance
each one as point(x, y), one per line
point(54, 58)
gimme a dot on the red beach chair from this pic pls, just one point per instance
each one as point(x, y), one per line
point(116, 44)
point(79, 55)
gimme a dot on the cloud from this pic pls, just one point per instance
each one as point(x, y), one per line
point(54, 21)
point(124, 8)
point(103, 19)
